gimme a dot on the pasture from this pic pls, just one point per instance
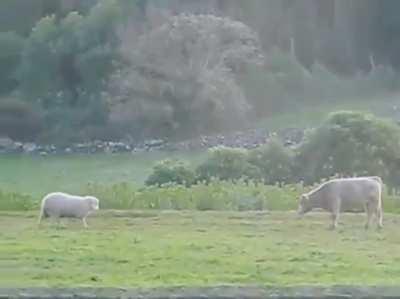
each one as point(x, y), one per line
point(149, 249)
point(36, 175)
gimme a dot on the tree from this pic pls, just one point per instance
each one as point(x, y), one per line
point(11, 46)
point(19, 120)
point(65, 66)
point(39, 61)
point(188, 65)
point(65, 60)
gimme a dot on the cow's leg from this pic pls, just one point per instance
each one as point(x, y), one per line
point(366, 213)
point(335, 214)
point(370, 212)
point(379, 217)
point(335, 220)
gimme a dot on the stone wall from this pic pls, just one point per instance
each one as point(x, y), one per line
point(207, 293)
point(244, 139)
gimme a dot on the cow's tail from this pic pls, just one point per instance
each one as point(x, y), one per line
point(380, 181)
point(380, 202)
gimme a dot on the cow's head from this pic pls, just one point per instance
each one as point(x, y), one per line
point(304, 205)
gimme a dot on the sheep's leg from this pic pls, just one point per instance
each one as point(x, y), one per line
point(58, 221)
point(84, 222)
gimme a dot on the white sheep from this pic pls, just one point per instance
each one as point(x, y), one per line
point(60, 204)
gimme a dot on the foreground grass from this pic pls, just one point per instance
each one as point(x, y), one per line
point(149, 249)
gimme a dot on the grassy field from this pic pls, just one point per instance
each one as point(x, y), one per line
point(37, 175)
point(149, 249)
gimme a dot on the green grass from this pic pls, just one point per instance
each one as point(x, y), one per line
point(37, 175)
point(149, 249)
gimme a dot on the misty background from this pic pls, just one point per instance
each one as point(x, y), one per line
point(79, 70)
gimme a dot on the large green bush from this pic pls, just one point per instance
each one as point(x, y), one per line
point(227, 164)
point(274, 161)
point(349, 143)
point(171, 171)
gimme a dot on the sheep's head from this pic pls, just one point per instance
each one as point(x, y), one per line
point(93, 202)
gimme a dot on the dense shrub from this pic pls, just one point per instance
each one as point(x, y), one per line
point(171, 171)
point(274, 161)
point(272, 164)
point(216, 195)
point(14, 201)
point(227, 164)
point(349, 143)
point(19, 120)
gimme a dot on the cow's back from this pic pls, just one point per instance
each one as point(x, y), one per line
point(355, 192)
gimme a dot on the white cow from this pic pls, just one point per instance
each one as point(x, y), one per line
point(346, 194)
point(60, 204)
